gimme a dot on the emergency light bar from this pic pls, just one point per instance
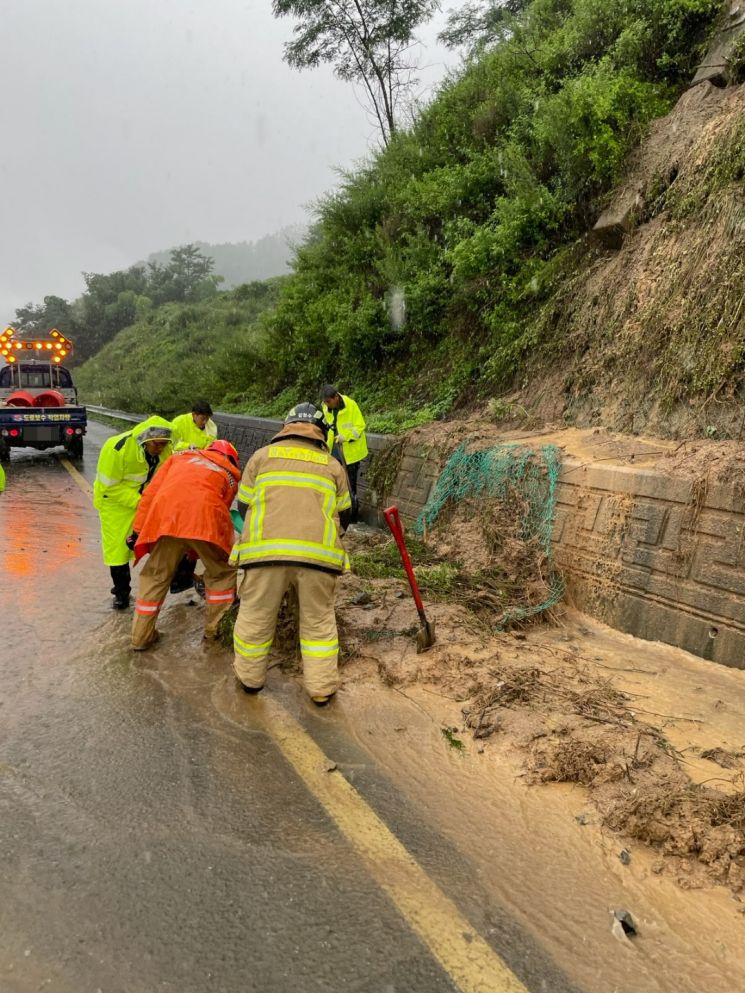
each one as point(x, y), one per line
point(56, 344)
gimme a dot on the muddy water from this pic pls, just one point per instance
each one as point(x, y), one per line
point(559, 877)
point(151, 838)
point(146, 843)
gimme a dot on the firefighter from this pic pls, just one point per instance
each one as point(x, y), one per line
point(295, 503)
point(126, 465)
point(186, 509)
point(347, 429)
point(194, 430)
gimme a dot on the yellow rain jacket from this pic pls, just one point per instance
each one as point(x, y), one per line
point(2, 479)
point(187, 435)
point(294, 490)
point(122, 474)
point(349, 424)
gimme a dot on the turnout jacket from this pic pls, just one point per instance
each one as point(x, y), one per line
point(122, 473)
point(189, 498)
point(294, 491)
point(349, 424)
point(187, 435)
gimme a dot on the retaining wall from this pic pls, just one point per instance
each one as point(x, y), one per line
point(658, 557)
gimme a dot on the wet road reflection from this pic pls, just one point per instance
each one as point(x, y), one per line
point(152, 836)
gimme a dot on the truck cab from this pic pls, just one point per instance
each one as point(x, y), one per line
point(38, 399)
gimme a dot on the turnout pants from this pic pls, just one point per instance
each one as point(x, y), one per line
point(155, 581)
point(261, 590)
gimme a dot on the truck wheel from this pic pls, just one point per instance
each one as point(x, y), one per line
point(74, 447)
point(4, 450)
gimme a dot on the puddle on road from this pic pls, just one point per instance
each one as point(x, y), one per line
point(558, 877)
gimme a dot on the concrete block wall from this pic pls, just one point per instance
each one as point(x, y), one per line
point(658, 557)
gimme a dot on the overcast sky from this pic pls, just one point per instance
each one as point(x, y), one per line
point(130, 126)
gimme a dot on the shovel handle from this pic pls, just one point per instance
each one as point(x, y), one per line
point(396, 528)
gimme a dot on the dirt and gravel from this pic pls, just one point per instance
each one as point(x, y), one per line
point(662, 770)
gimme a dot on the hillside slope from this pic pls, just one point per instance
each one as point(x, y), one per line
point(651, 337)
point(181, 352)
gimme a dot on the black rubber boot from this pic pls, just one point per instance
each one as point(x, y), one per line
point(122, 580)
point(184, 578)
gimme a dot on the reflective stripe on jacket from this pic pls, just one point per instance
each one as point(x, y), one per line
point(189, 498)
point(294, 491)
point(121, 475)
point(186, 434)
point(350, 425)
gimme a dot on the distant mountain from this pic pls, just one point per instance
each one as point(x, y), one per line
point(245, 261)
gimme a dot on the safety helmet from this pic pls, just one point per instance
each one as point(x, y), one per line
point(308, 413)
point(226, 449)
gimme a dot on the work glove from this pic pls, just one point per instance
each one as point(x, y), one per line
point(132, 541)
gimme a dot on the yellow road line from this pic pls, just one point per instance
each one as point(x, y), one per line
point(79, 478)
point(472, 964)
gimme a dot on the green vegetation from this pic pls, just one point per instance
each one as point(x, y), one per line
point(430, 264)
point(371, 44)
point(177, 353)
point(247, 261)
point(115, 300)
point(423, 284)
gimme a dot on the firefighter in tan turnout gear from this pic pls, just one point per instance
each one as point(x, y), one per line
point(295, 500)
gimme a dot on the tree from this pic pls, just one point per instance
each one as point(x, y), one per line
point(367, 41)
point(39, 319)
point(186, 278)
point(475, 26)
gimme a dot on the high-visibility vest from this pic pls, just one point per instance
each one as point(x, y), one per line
point(349, 424)
point(186, 434)
point(294, 491)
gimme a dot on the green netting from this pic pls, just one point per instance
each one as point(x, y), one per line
point(498, 473)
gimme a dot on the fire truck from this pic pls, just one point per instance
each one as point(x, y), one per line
point(38, 400)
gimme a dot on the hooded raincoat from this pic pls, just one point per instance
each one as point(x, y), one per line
point(123, 472)
point(348, 423)
point(186, 434)
point(189, 498)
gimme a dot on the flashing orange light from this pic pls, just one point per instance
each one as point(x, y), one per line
point(55, 358)
point(11, 358)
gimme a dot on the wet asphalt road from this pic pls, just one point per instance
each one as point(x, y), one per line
point(152, 836)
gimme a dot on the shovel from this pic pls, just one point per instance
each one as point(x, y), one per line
point(425, 637)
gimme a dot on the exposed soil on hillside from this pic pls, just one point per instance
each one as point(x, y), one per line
point(649, 337)
point(720, 462)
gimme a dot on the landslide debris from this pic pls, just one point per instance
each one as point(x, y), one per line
point(566, 715)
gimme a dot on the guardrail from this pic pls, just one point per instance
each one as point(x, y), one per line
point(119, 415)
point(250, 433)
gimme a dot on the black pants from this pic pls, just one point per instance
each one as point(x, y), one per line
point(121, 579)
point(352, 473)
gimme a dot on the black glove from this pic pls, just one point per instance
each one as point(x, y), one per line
point(132, 541)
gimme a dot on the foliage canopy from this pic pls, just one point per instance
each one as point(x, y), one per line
point(367, 41)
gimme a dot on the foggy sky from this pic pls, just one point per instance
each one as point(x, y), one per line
point(130, 126)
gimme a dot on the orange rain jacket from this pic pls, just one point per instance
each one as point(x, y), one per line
point(189, 497)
